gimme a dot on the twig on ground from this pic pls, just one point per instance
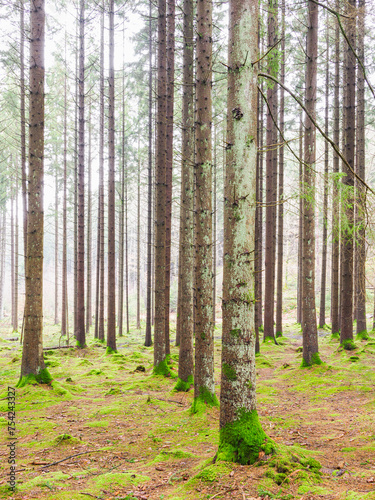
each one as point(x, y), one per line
point(223, 492)
point(71, 456)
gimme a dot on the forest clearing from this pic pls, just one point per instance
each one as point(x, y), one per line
point(130, 436)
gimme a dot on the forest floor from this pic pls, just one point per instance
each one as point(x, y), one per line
point(105, 429)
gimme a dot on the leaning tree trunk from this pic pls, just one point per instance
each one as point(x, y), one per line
point(80, 326)
point(322, 311)
point(111, 307)
point(33, 367)
point(309, 328)
point(186, 249)
point(346, 295)
point(360, 291)
point(241, 435)
point(204, 385)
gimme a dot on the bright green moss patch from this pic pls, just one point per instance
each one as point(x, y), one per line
point(114, 480)
point(109, 350)
point(205, 400)
point(65, 439)
point(363, 335)
point(335, 336)
point(49, 480)
point(242, 440)
point(43, 377)
point(163, 369)
point(349, 345)
point(182, 386)
point(269, 340)
point(315, 360)
point(229, 371)
point(95, 372)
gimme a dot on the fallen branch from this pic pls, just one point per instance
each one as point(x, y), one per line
point(223, 492)
point(90, 495)
point(71, 456)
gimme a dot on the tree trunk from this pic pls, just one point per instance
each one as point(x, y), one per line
point(23, 125)
point(346, 296)
point(186, 248)
point(89, 249)
point(360, 291)
point(322, 311)
point(120, 314)
point(148, 338)
point(12, 268)
point(111, 308)
point(300, 225)
point(214, 220)
point(280, 234)
point(241, 435)
point(310, 334)
point(56, 319)
point(269, 291)
point(335, 191)
point(64, 291)
point(2, 260)
point(204, 385)
point(33, 367)
point(138, 318)
point(169, 162)
point(160, 365)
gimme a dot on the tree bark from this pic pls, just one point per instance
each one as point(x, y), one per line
point(280, 234)
point(186, 248)
point(169, 161)
point(310, 334)
point(241, 434)
point(111, 307)
point(269, 292)
point(335, 191)
point(138, 318)
point(148, 338)
point(64, 277)
point(204, 386)
point(322, 311)
point(56, 319)
point(89, 249)
point(33, 366)
point(2, 260)
point(300, 225)
point(346, 296)
point(80, 326)
point(360, 291)
point(23, 125)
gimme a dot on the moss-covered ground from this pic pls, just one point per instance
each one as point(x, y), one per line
point(118, 431)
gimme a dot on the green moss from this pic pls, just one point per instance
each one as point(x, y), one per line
point(209, 474)
point(229, 372)
point(236, 332)
point(65, 439)
point(279, 334)
point(348, 345)
point(363, 335)
point(182, 386)
point(163, 369)
point(354, 359)
point(94, 372)
point(109, 350)
point(43, 377)
point(205, 400)
point(315, 360)
point(269, 340)
point(242, 440)
point(335, 336)
point(348, 449)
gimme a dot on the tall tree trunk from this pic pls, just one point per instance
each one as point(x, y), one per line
point(160, 252)
point(204, 385)
point(89, 249)
point(80, 327)
point(2, 260)
point(23, 125)
point(56, 320)
point(260, 214)
point(269, 292)
point(33, 367)
point(120, 313)
point(239, 423)
point(138, 318)
point(300, 225)
point(346, 296)
point(169, 161)
point(126, 248)
point(214, 220)
point(64, 291)
point(12, 268)
point(360, 291)
point(309, 328)
point(76, 154)
point(111, 307)
point(335, 191)
point(16, 245)
point(186, 248)
point(280, 234)
point(148, 338)
point(101, 183)
point(322, 311)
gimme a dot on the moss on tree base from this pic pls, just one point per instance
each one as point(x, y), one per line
point(43, 377)
point(206, 399)
point(182, 386)
point(363, 335)
point(163, 369)
point(242, 441)
point(109, 350)
point(348, 345)
point(315, 360)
